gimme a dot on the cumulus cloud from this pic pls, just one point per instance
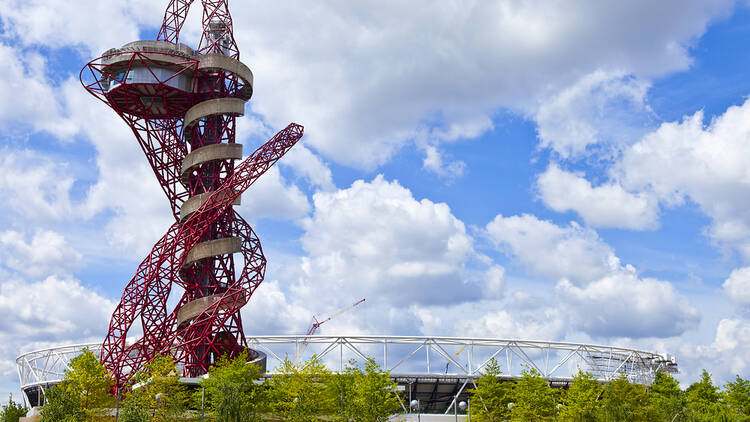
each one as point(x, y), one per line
point(90, 24)
point(599, 107)
point(271, 311)
point(603, 297)
point(607, 205)
point(272, 197)
point(309, 165)
point(725, 357)
point(363, 95)
point(686, 160)
point(547, 324)
point(624, 305)
point(737, 286)
point(376, 240)
point(34, 186)
point(27, 97)
point(46, 254)
point(548, 250)
point(54, 310)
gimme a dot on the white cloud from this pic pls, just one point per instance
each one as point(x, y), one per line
point(607, 205)
point(727, 356)
point(375, 240)
point(494, 280)
point(35, 187)
point(624, 305)
point(601, 106)
point(126, 185)
point(546, 324)
point(448, 67)
point(433, 161)
point(601, 296)
point(551, 251)
point(272, 197)
point(737, 286)
point(307, 164)
point(26, 96)
point(50, 311)
point(270, 311)
point(363, 95)
point(685, 160)
point(91, 24)
point(46, 254)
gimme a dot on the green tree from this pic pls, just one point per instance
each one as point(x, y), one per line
point(302, 393)
point(703, 401)
point(737, 398)
point(60, 405)
point(666, 401)
point(624, 401)
point(12, 411)
point(231, 392)
point(373, 395)
point(491, 396)
point(534, 399)
point(342, 388)
point(88, 379)
point(581, 401)
point(157, 387)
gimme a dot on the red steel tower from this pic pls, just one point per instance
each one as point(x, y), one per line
point(182, 106)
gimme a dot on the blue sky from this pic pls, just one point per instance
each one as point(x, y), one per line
point(499, 169)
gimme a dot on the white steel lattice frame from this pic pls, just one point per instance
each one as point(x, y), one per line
point(553, 360)
point(47, 366)
point(604, 362)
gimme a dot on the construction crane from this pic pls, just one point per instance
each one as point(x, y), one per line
point(314, 327)
point(316, 323)
point(454, 357)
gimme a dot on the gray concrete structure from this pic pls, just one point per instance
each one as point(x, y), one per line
point(195, 201)
point(213, 107)
point(231, 65)
point(210, 153)
point(216, 247)
point(190, 310)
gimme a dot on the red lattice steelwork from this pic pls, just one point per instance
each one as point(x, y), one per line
point(182, 107)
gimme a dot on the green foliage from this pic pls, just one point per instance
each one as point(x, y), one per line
point(231, 392)
point(88, 379)
point(581, 400)
point(491, 395)
point(12, 411)
point(83, 393)
point(365, 394)
point(157, 387)
point(534, 399)
point(736, 396)
point(133, 413)
point(703, 400)
point(666, 401)
point(624, 401)
point(342, 388)
point(62, 406)
point(302, 393)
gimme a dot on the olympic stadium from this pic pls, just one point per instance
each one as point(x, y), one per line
point(436, 371)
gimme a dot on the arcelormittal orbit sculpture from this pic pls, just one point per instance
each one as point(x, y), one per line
point(182, 106)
